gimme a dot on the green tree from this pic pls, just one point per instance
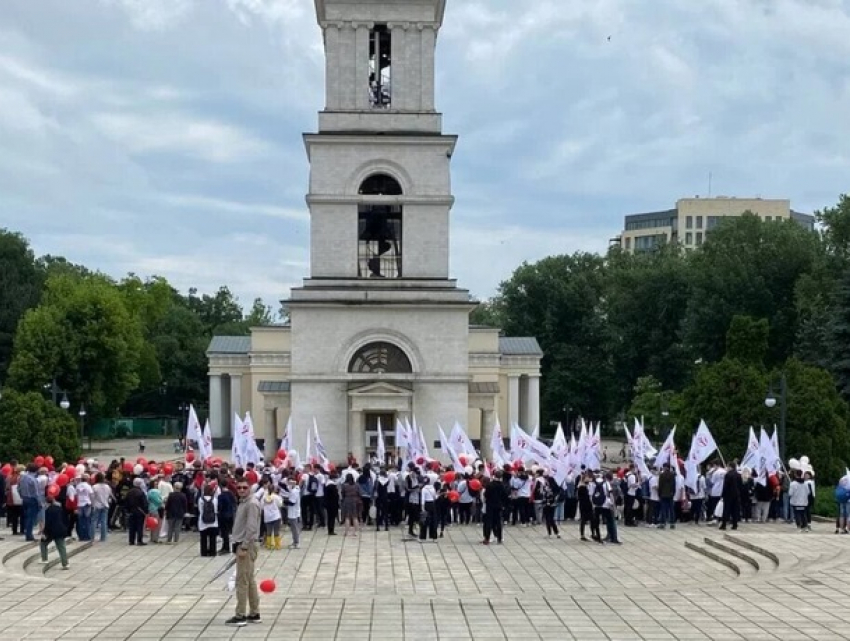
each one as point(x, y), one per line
point(746, 339)
point(180, 343)
point(83, 335)
point(31, 425)
point(649, 403)
point(646, 296)
point(748, 267)
point(216, 312)
point(486, 314)
point(21, 281)
point(559, 301)
point(839, 337)
point(835, 226)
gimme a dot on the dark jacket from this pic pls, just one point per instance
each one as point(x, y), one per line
point(732, 487)
point(667, 484)
point(226, 505)
point(495, 495)
point(176, 505)
point(331, 496)
point(55, 522)
point(135, 501)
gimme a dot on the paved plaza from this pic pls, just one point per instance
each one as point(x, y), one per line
point(763, 582)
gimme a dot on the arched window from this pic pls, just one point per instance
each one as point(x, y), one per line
point(380, 185)
point(380, 358)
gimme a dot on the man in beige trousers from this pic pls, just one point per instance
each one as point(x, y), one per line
point(246, 531)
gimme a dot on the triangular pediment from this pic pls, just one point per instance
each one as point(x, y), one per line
point(380, 388)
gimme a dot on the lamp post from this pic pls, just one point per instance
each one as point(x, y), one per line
point(184, 420)
point(82, 414)
point(55, 391)
point(770, 402)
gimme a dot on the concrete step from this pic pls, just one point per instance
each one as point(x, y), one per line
point(761, 564)
point(743, 569)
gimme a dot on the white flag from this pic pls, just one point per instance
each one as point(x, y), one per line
point(777, 460)
point(497, 446)
point(382, 451)
point(751, 458)
point(535, 433)
point(667, 451)
point(237, 448)
point(321, 452)
point(592, 456)
point(206, 446)
point(193, 432)
point(448, 450)
point(767, 458)
point(286, 441)
point(423, 444)
point(401, 435)
point(528, 447)
point(702, 444)
point(309, 451)
point(461, 442)
point(559, 443)
point(250, 451)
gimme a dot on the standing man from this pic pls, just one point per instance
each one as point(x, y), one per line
point(28, 489)
point(246, 530)
point(666, 494)
point(732, 486)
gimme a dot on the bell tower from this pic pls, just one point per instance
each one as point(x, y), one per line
point(380, 201)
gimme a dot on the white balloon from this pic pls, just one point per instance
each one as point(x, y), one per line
point(804, 460)
point(138, 469)
point(468, 469)
point(794, 464)
point(80, 469)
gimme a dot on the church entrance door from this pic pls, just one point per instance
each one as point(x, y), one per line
point(387, 420)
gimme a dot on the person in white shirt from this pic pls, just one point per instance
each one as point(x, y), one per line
point(652, 511)
point(428, 505)
point(292, 499)
point(84, 509)
point(165, 488)
point(208, 522)
point(632, 486)
point(272, 504)
point(715, 493)
point(101, 498)
point(698, 497)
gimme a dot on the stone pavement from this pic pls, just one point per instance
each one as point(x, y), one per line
point(763, 582)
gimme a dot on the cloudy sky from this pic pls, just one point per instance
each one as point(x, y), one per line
point(163, 136)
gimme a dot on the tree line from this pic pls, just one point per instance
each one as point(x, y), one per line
point(675, 335)
point(116, 347)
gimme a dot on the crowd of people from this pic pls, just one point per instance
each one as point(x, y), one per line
point(153, 503)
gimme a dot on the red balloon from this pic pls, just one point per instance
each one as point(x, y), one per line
point(420, 460)
point(52, 491)
point(142, 460)
point(167, 469)
point(463, 458)
point(62, 480)
point(282, 454)
point(268, 586)
point(517, 464)
point(151, 522)
point(454, 496)
point(190, 456)
point(434, 465)
point(277, 462)
point(475, 485)
point(331, 467)
point(449, 477)
point(153, 469)
point(128, 467)
point(48, 460)
point(39, 461)
point(6, 470)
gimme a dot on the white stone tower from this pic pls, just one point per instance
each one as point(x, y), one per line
point(379, 330)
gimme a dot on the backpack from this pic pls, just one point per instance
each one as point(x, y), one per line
point(208, 512)
point(598, 497)
point(312, 484)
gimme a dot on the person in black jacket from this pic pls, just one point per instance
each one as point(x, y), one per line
point(332, 502)
point(732, 489)
point(54, 529)
point(176, 506)
point(496, 499)
point(226, 512)
point(136, 506)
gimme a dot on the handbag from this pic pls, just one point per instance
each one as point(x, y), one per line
point(16, 496)
point(373, 512)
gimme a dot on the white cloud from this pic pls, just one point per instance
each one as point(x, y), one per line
point(154, 15)
point(180, 133)
point(205, 203)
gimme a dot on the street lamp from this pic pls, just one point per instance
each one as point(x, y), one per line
point(55, 391)
point(64, 403)
point(770, 403)
point(82, 414)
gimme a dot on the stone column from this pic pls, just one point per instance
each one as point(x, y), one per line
point(235, 398)
point(429, 45)
point(399, 82)
point(270, 435)
point(513, 400)
point(355, 434)
point(216, 422)
point(349, 84)
point(332, 66)
point(361, 64)
point(532, 401)
point(488, 422)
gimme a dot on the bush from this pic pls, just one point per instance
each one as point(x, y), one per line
point(30, 426)
point(825, 504)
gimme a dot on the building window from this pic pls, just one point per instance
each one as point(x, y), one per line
point(699, 222)
point(380, 358)
point(699, 238)
point(767, 219)
point(712, 222)
point(689, 222)
point(380, 67)
point(689, 238)
point(379, 230)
